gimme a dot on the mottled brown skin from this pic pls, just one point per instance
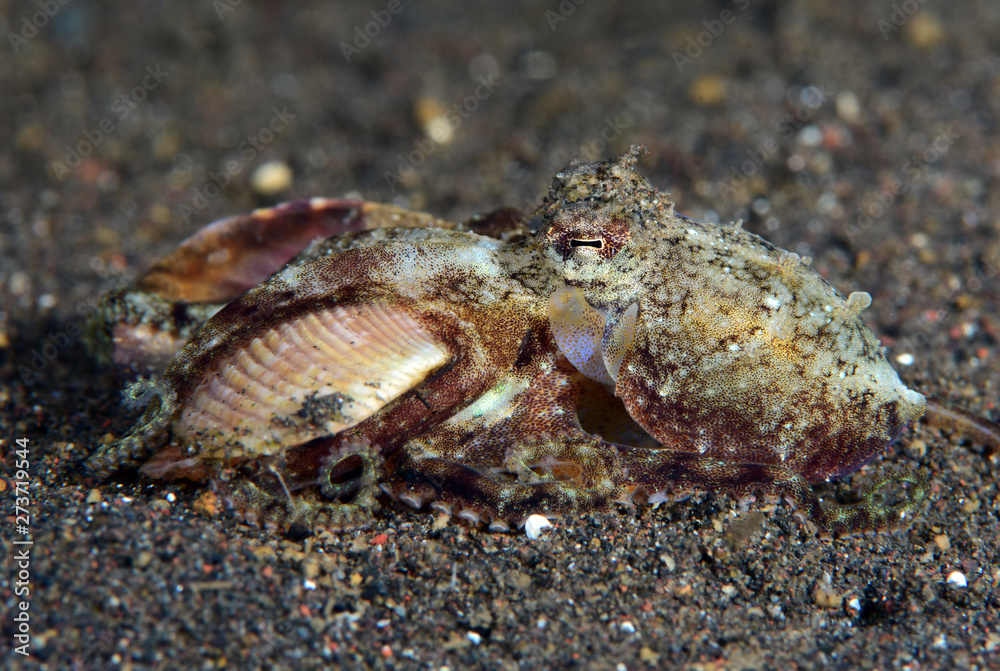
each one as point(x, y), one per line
point(619, 353)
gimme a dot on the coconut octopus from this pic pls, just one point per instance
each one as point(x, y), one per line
point(607, 350)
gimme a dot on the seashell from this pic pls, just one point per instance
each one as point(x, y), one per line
point(307, 377)
point(141, 328)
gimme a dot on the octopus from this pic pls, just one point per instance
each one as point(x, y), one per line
point(313, 359)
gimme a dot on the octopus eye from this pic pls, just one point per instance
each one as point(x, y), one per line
point(584, 231)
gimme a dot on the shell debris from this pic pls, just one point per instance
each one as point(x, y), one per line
point(535, 525)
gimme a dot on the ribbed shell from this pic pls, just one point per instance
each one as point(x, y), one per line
point(369, 354)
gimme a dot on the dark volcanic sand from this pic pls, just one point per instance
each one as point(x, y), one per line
point(127, 574)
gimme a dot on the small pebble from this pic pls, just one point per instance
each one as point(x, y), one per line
point(440, 130)
point(708, 90)
point(475, 638)
point(431, 116)
point(159, 505)
point(905, 359)
point(207, 504)
point(957, 578)
point(310, 568)
point(810, 136)
point(925, 31)
point(535, 525)
point(271, 178)
point(848, 107)
point(649, 656)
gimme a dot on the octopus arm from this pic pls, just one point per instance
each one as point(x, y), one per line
point(659, 472)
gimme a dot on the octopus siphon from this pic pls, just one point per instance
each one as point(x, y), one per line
point(311, 359)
